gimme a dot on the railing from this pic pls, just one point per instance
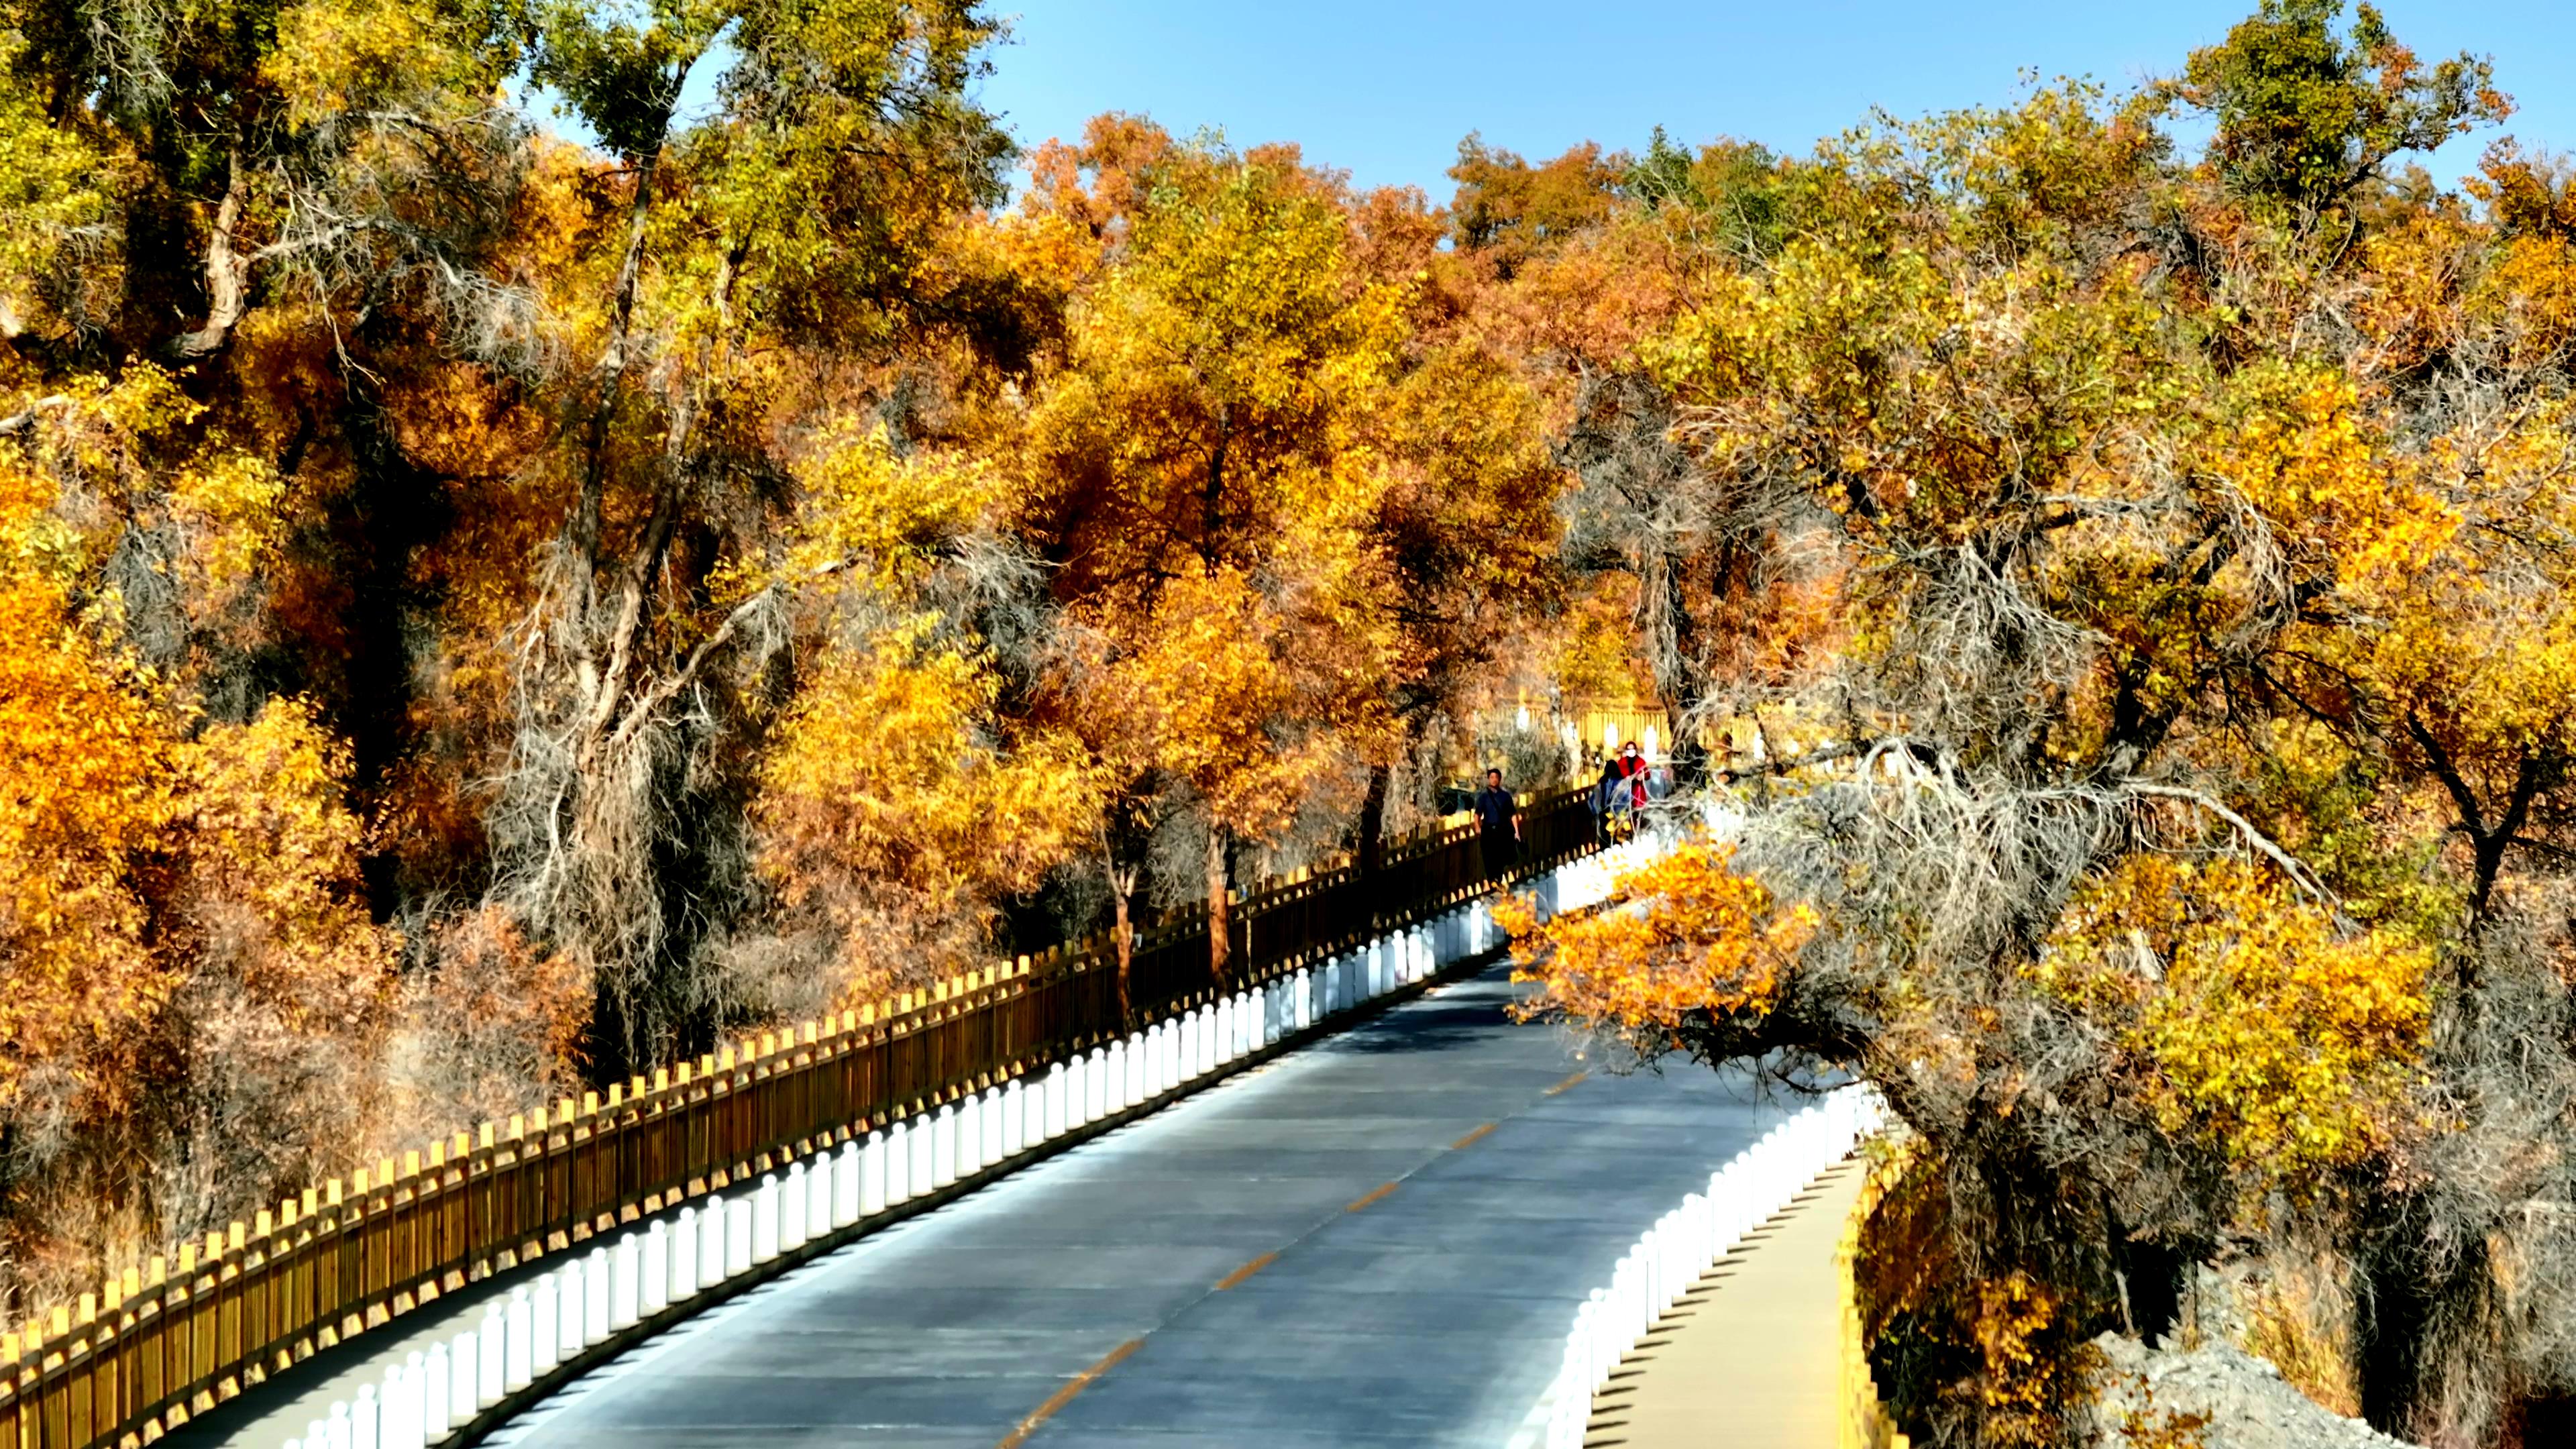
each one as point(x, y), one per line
point(137, 1359)
point(1862, 1419)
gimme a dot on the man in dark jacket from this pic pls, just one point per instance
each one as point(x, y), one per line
point(1498, 825)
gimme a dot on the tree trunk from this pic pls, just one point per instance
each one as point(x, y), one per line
point(227, 274)
point(1220, 930)
point(1372, 851)
point(1674, 649)
point(1122, 885)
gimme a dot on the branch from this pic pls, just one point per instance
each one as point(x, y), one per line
point(687, 674)
point(25, 418)
point(227, 275)
point(2463, 798)
point(2295, 868)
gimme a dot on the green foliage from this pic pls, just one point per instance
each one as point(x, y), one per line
point(2305, 115)
point(1738, 187)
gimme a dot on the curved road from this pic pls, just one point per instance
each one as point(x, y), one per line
point(1376, 1240)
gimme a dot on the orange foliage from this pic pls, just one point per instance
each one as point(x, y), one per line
point(1686, 936)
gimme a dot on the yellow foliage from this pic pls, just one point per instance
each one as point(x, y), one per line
point(88, 791)
point(2256, 1024)
point(1685, 936)
point(138, 849)
point(1208, 692)
point(273, 839)
point(2030, 1371)
point(232, 501)
point(889, 776)
point(2300, 453)
point(333, 57)
point(877, 515)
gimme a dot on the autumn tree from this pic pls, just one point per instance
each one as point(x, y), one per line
point(2174, 834)
point(1193, 473)
point(789, 219)
point(1510, 209)
point(194, 980)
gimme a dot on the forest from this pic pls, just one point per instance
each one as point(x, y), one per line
point(484, 613)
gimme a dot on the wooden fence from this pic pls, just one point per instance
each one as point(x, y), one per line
point(128, 1363)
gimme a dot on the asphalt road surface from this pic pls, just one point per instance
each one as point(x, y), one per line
point(1380, 1239)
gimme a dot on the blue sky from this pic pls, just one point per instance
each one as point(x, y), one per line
point(1386, 89)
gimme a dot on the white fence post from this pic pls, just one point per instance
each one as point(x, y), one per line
point(492, 1349)
point(943, 1146)
point(764, 1219)
point(970, 1137)
point(923, 1177)
point(594, 1298)
point(847, 1174)
point(625, 1283)
point(818, 1194)
point(793, 1195)
point(654, 1294)
point(738, 1234)
point(710, 1255)
point(545, 1324)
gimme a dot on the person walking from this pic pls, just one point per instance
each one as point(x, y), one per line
point(1498, 826)
point(1633, 767)
point(1605, 798)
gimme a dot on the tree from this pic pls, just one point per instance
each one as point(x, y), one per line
point(792, 216)
point(1508, 209)
point(192, 968)
point(1463, 518)
point(2305, 116)
point(899, 800)
point(1192, 472)
point(2173, 829)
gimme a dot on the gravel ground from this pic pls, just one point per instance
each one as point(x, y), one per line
point(2243, 1400)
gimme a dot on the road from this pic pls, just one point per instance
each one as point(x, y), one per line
point(1377, 1240)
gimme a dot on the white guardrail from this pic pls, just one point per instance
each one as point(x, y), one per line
point(680, 1256)
point(1685, 1243)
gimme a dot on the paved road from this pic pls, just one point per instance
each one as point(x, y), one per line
point(1377, 1240)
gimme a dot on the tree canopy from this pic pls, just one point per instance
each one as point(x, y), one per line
point(485, 614)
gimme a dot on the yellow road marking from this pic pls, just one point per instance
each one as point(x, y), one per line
point(1471, 1138)
point(1064, 1396)
point(1568, 1082)
point(1246, 1271)
point(1382, 1190)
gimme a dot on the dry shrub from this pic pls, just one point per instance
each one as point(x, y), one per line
point(2297, 1313)
point(492, 1026)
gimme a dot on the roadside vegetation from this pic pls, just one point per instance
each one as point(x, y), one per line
point(482, 614)
point(2149, 575)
